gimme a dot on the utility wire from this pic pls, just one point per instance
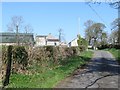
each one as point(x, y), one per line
point(96, 13)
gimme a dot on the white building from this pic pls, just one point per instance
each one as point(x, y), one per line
point(46, 40)
point(73, 43)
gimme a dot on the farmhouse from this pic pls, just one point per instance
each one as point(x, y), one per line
point(10, 38)
point(47, 40)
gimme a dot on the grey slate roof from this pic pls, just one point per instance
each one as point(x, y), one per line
point(11, 37)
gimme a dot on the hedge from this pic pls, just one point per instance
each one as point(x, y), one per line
point(47, 57)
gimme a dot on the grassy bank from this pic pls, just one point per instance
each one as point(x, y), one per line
point(50, 78)
point(116, 53)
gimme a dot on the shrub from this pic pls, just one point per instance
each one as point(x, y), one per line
point(4, 54)
point(19, 59)
point(75, 50)
point(68, 52)
point(56, 55)
point(50, 50)
point(82, 43)
point(4, 62)
point(20, 55)
point(108, 46)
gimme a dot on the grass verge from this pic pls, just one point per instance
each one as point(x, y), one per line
point(116, 53)
point(50, 78)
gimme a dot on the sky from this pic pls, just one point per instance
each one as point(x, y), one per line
point(49, 17)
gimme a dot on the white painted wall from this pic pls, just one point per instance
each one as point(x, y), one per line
point(40, 41)
point(74, 43)
point(7, 44)
point(52, 43)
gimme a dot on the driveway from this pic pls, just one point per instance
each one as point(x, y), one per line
point(102, 72)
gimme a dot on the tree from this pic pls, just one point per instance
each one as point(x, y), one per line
point(103, 38)
point(60, 32)
point(88, 31)
point(114, 4)
point(15, 26)
point(79, 40)
point(97, 29)
point(94, 32)
point(82, 43)
point(113, 37)
point(116, 27)
point(28, 28)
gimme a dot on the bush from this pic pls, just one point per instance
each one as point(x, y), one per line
point(75, 50)
point(108, 46)
point(4, 62)
point(4, 54)
point(50, 50)
point(20, 59)
point(20, 55)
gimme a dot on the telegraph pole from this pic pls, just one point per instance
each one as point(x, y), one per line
point(78, 25)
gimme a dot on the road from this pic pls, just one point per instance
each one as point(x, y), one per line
point(102, 72)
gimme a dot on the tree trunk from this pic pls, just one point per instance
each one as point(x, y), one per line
point(17, 36)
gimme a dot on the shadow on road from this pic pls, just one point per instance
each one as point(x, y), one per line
point(104, 65)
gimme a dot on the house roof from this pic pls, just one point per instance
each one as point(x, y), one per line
point(41, 36)
point(12, 34)
point(52, 39)
point(49, 37)
point(11, 37)
point(73, 40)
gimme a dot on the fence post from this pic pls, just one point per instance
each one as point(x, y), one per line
point(8, 69)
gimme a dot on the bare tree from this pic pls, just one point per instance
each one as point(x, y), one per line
point(16, 22)
point(28, 28)
point(60, 32)
point(61, 35)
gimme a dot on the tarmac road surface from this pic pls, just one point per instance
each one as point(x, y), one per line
point(102, 72)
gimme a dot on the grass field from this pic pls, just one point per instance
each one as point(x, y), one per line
point(50, 78)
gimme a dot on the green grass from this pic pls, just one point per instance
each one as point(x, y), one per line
point(116, 53)
point(50, 78)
